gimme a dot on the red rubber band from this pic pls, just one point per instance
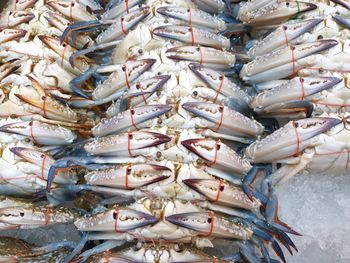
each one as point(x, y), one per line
point(31, 131)
point(108, 256)
point(220, 87)
point(302, 89)
point(221, 118)
point(127, 175)
point(285, 37)
point(116, 211)
point(43, 166)
point(122, 25)
point(298, 138)
point(219, 191)
point(44, 106)
point(47, 215)
point(62, 57)
point(190, 26)
point(14, 257)
point(216, 154)
point(129, 143)
point(126, 76)
point(127, 6)
point(71, 11)
point(132, 119)
point(200, 55)
point(143, 94)
point(293, 59)
point(211, 214)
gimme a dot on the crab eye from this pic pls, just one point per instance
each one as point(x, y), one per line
point(158, 155)
point(132, 112)
point(319, 37)
point(222, 188)
point(140, 51)
point(128, 170)
point(209, 220)
point(21, 214)
point(218, 147)
point(287, 4)
point(195, 93)
point(114, 215)
point(284, 28)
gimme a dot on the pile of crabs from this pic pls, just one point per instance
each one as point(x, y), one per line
point(161, 128)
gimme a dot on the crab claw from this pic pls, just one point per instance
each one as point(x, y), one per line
point(122, 77)
point(275, 13)
point(128, 176)
point(224, 120)
point(298, 89)
point(206, 223)
point(198, 17)
point(278, 37)
point(124, 24)
point(72, 10)
point(118, 219)
point(9, 67)
point(47, 106)
point(281, 57)
point(131, 143)
point(289, 140)
point(129, 119)
point(41, 133)
point(218, 82)
point(210, 57)
point(22, 5)
point(217, 155)
point(16, 18)
point(7, 35)
point(44, 162)
point(344, 3)
point(222, 193)
point(342, 21)
point(36, 215)
point(193, 36)
point(65, 51)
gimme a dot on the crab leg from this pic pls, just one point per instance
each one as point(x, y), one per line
point(9, 67)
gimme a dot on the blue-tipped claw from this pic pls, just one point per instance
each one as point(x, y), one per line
point(81, 25)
